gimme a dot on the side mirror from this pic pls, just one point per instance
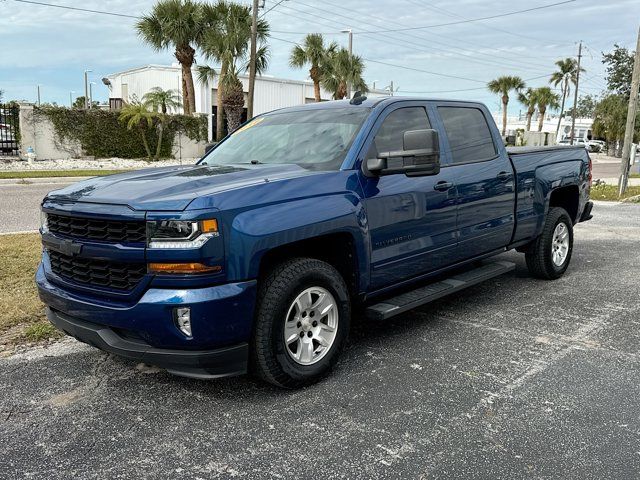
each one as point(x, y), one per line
point(420, 156)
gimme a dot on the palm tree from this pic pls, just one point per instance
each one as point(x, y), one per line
point(502, 86)
point(137, 115)
point(566, 74)
point(176, 24)
point(314, 53)
point(529, 100)
point(163, 100)
point(232, 98)
point(545, 98)
point(343, 69)
point(227, 42)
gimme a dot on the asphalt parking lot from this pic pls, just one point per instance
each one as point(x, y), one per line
point(512, 378)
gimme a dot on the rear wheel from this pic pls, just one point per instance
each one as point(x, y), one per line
point(302, 321)
point(549, 255)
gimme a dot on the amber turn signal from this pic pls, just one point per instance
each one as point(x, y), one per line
point(178, 268)
point(209, 226)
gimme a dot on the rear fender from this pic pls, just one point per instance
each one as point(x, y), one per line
point(549, 178)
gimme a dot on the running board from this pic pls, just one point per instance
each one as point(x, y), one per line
point(420, 296)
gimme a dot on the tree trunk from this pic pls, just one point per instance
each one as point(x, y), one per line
point(185, 94)
point(233, 104)
point(185, 54)
point(505, 103)
point(543, 111)
point(564, 97)
point(529, 116)
point(220, 109)
point(159, 146)
point(143, 134)
point(342, 91)
point(314, 73)
point(316, 91)
point(190, 89)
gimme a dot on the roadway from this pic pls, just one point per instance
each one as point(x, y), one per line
point(512, 378)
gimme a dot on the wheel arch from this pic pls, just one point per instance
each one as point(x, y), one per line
point(332, 229)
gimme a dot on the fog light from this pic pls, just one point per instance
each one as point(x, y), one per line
point(183, 320)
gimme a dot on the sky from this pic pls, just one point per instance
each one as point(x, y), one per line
point(450, 58)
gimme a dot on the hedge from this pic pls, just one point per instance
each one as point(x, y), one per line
point(102, 135)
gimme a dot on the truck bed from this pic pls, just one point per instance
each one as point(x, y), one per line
point(538, 171)
point(524, 150)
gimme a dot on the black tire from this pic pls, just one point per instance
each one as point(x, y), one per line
point(276, 293)
point(539, 254)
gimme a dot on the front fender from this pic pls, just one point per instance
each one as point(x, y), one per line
point(255, 232)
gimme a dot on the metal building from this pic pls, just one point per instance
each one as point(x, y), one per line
point(271, 93)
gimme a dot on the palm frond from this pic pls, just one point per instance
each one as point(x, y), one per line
point(205, 74)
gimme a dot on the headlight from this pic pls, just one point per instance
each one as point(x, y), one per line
point(180, 233)
point(44, 222)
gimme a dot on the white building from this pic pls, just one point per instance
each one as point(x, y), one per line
point(583, 126)
point(270, 93)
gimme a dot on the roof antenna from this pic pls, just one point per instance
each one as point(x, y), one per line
point(358, 98)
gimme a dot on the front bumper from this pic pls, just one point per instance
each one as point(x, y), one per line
point(220, 362)
point(145, 330)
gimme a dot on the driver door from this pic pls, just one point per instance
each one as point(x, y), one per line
point(412, 220)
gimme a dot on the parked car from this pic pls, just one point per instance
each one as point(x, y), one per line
point(7, 138)
point(596, 146)
point(256, 258)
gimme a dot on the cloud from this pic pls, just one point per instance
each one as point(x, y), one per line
point(52, 47)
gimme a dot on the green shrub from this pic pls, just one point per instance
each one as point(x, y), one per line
point(101, 135)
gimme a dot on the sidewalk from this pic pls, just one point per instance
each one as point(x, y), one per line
point(633, 182)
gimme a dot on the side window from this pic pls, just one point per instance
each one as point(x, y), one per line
point(468, 133)
point(390, 135)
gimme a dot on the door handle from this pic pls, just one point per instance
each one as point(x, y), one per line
point(503, 176)
point(443, 186)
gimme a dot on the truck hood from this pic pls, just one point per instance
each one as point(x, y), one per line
point(172, 188)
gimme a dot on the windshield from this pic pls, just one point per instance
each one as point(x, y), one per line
point(313, 139)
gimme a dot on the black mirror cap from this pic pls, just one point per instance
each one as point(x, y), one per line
point(426, 139)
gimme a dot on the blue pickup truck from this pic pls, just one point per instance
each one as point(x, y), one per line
point(255, 258)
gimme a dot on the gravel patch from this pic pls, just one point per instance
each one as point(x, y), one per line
point(89, 164)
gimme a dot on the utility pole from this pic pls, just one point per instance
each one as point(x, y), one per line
point(86, 89)
point(350, 32)
point(38, 95)
point(252, 59)
point(631, 120)
point(91, 84)
point(71, 98)
point(391, 88)
point(575, 95)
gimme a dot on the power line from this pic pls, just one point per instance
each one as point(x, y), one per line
point(455, 15)
point(469, 20)
point(412, 44)
point(78, 9)
point(463, 89)
point(274, 6)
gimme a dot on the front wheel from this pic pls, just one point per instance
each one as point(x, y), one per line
point(549, 255)
point(302, 321)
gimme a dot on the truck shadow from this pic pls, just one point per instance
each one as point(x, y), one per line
point(387, 337)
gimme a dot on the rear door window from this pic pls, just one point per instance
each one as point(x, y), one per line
point(469, 135)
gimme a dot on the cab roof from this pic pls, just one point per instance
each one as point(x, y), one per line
point(368, 103)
